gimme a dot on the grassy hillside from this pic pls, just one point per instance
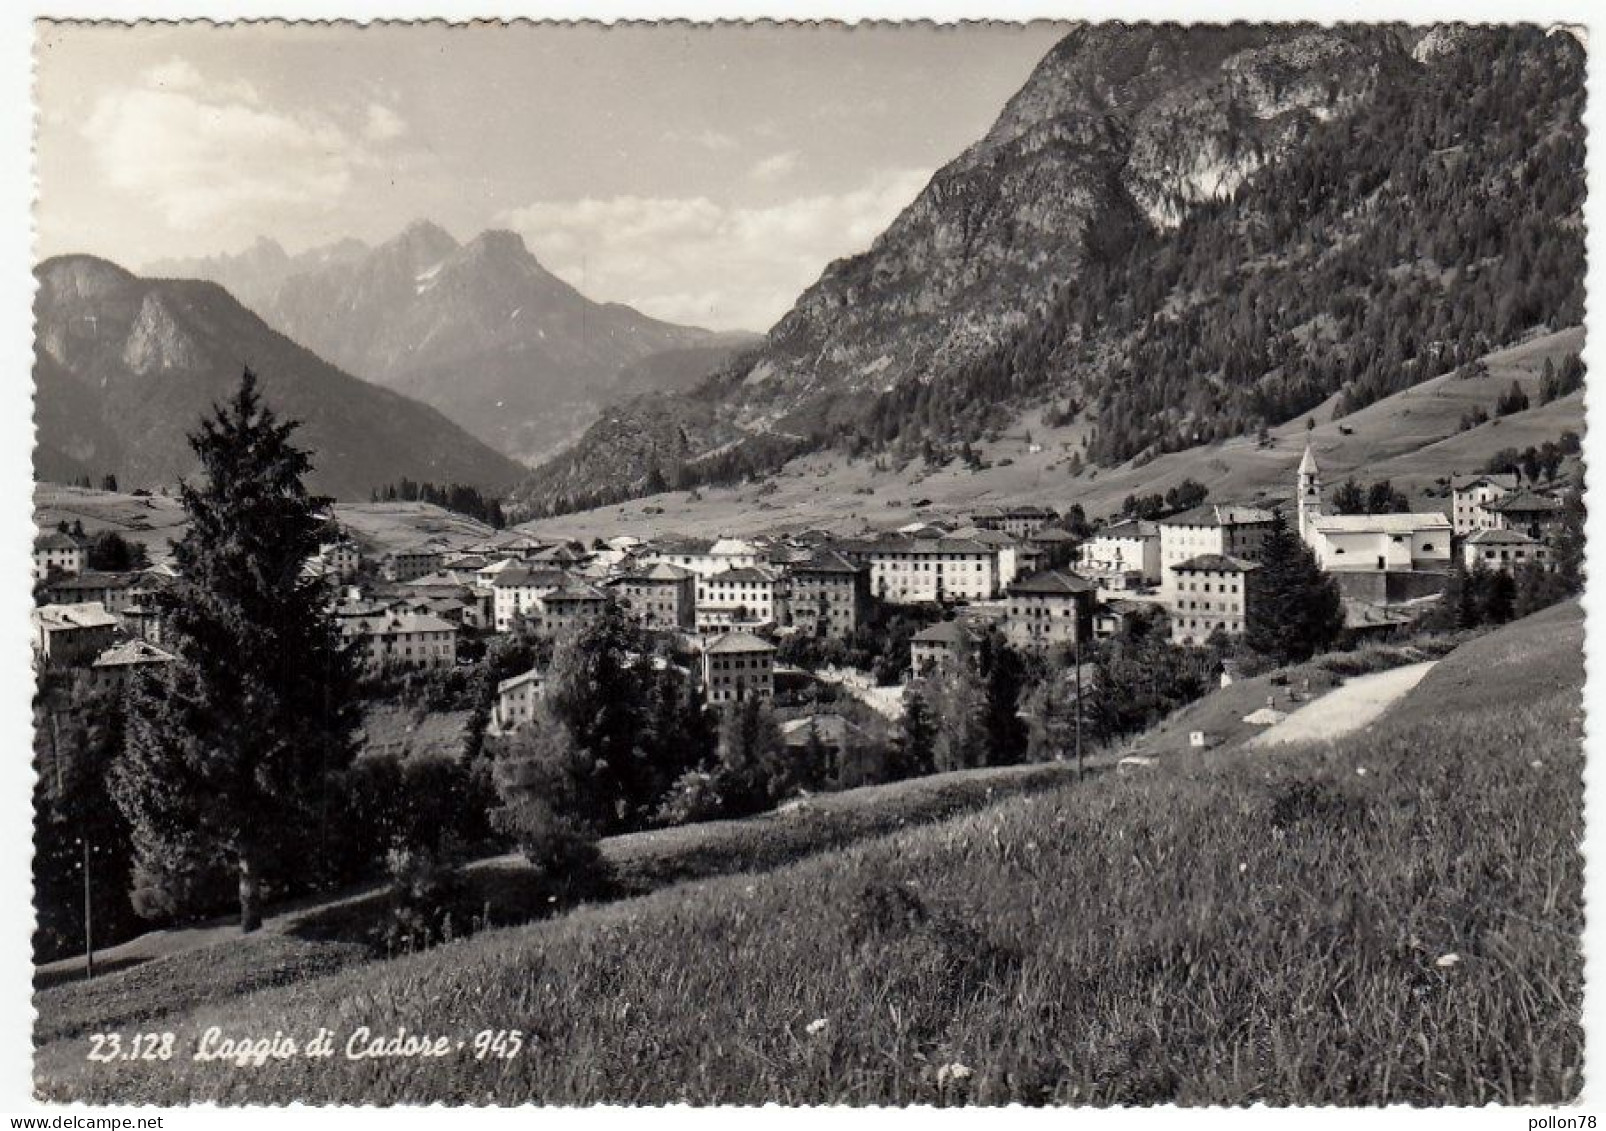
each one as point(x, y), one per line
point(1393, 917)
point(1411, 437)
point(157, 520)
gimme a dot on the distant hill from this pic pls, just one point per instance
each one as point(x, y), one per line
point(479, 330)
point(1172, 236)
point(125, 368)
point(255, 275)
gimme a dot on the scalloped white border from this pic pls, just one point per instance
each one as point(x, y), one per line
point(16, 529)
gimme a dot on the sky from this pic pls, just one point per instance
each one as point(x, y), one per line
point(702, 175)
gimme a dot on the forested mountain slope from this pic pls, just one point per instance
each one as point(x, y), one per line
point(1173, 235)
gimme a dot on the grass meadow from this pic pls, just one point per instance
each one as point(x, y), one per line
point(1394, 917)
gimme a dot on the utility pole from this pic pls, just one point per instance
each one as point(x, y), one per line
point(89, 919)
point(1077, 661)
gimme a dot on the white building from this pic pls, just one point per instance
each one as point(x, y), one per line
point(1213, 528)
point(1506, 550)
point(1471, 493)
point(908, 571)
point(745, 596)
point(704, 557)
point(1385, 543)
point(515, 701)
point(55, 552)
point(518, 592)
point(1123, 556)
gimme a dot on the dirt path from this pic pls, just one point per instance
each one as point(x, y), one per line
point(1346, 709)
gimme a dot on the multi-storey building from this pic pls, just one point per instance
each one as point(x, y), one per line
point(72, 635)
point(734, 598)
point(118, 664)
point(112, 591)
point(1212, 592)
point(1049, 608)
point(937, 646)
point(1504, 550)
point(738, 666)
point(400, 637)
point(1470, 494)
point(56, 552)
point(516, 700)
point(1018, 520)
point(908, 571)
point(830, 595)
point(660, 596)
point(1122, 557)
point(1535, 515)
point(570, 606)
point(704, 557)
point(405, 565)
point(517, 591)
point(1213, 528)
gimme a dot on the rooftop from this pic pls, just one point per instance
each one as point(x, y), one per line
point(1524, 502)
point(729, 643)
point(947, 632)
point(1219, 514)
point(1381, 523)
point(133, 652)
point(1054, 581)
point(88, 614)
point(1217, 563)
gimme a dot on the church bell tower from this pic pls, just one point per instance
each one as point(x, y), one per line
point(1309, 495)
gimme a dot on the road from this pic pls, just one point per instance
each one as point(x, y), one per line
point(1345, 709)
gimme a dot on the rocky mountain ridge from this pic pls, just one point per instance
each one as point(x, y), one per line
point(125, 367)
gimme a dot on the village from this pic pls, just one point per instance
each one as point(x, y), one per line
point(725, 606)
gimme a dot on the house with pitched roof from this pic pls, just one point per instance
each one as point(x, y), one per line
point(1471, 494)
point(1049, 608)
point(56, 552)
point(571, 605)
point(749, 597)
point(1212, 592)
point(72, 635)
point(1122, 557)
point(1221, 529)
point(660, 596)
point(118, 664)
point(1504, 550)
point(516, 700)
point(1536, 515)
point(829, 596)
point(738, 666)
point(937, 646)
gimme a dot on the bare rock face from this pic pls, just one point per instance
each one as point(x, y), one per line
point(156, 343)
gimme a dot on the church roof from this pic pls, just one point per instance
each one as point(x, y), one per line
point(1380, 523)
point(1307, 464)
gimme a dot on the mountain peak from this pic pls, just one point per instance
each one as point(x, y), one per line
point(422, 240)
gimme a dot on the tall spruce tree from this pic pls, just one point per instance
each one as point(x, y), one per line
point(1294, 609)
point(231, 753)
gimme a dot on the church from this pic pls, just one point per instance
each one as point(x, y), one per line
point(1375, 543)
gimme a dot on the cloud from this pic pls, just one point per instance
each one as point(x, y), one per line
point(383, 124)
point(715, 141)
point(775, 167)
point(688, 259)
point(206, 154)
